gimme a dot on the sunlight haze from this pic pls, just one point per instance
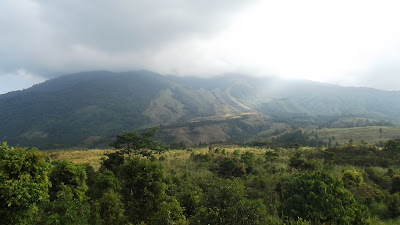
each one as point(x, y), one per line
point(350, 43)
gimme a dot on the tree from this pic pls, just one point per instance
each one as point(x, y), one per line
point(249, 161)
point(106, 204)
point(186, 191)
point(109, 209)
point(101, 182)
point(394, 205)
point(112, 162)
point(169, 212)
point(143, 190)
point(298, 161)
point(392, 147)
point(68, 202)
point(23, 183)
point(225, 202)
point(320, 198)
point(133, 141)
point(271, 155)
point(395, 184)
point(228, 167)
point(65, 173)
point(65, 209)
point(352, 178)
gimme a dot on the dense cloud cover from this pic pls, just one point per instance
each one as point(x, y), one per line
point(349, 43)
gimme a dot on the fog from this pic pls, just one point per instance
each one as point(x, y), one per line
point(353, 43)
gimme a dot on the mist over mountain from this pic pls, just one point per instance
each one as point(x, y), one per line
point(89, 108)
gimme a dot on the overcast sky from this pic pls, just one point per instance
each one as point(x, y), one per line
point(352, 42)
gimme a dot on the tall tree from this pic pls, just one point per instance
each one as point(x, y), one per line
point(144, 192)
point(65, 173)
point(133, 141)
point(23, 183)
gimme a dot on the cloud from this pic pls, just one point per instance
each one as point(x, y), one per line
point(135, 24)
point(384, 75)
point(53, 37)
point(344, 42)
point(317, 40)
point(18, 80)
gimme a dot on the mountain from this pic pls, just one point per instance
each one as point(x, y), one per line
point(89, 108)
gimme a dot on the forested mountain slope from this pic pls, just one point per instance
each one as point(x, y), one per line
point(91, 107)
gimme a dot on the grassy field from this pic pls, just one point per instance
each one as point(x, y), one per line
point(174, 159)
point(171, 160)
point(91, 157)
point(369, 134)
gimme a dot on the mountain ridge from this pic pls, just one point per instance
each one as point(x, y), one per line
point(89, 108)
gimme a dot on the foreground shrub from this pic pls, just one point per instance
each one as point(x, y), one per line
point(320, 198)
point(352, 178)
point(144, 193)
point(225, 202)
point(23, 184)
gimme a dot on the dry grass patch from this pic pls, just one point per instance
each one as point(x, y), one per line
point(371, 134)
point(91, 157)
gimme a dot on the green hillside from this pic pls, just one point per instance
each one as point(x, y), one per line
point(372, 134)
point(87, 109)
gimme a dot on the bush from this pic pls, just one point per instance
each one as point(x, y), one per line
point(366, 194)
point(320, 198)
point(352, 178)
point(228, 167)
point(201, 157)
point(395, 184)
point(144, 192)
point(224, 202)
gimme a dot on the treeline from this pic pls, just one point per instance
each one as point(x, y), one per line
point(294, 139)
point(141, 184)
point(331, 121)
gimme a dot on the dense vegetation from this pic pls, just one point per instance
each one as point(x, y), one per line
point(88, 109)
point(141, 182)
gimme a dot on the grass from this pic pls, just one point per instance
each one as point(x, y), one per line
point(269, 173)
point(177, 160)
point(173, 160)
point(371, 134)
point(91, 157)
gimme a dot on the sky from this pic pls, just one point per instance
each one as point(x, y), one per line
point(350, 43)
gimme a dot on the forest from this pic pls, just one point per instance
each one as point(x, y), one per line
point(142, 181)
point(199, 112)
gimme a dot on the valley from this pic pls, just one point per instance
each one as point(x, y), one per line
point(87, 109)
point(152, 149)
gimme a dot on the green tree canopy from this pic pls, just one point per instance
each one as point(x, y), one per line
point(109, 209)
point(130, 141)
point(23, 183)
point(392, 147)
point(144, 192)
point(352, 178)
point(65, 173)
point(320, 198)
point(225, 202)
point(65, 209)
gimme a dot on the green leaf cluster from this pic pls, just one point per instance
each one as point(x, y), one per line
point(24, 182)
point(320, 198)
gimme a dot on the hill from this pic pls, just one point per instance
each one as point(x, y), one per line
point(89, 108)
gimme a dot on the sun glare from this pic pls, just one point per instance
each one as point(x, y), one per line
point(312, 40)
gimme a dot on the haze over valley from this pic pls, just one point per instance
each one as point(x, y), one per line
point(89, 108)
point(171, 112)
